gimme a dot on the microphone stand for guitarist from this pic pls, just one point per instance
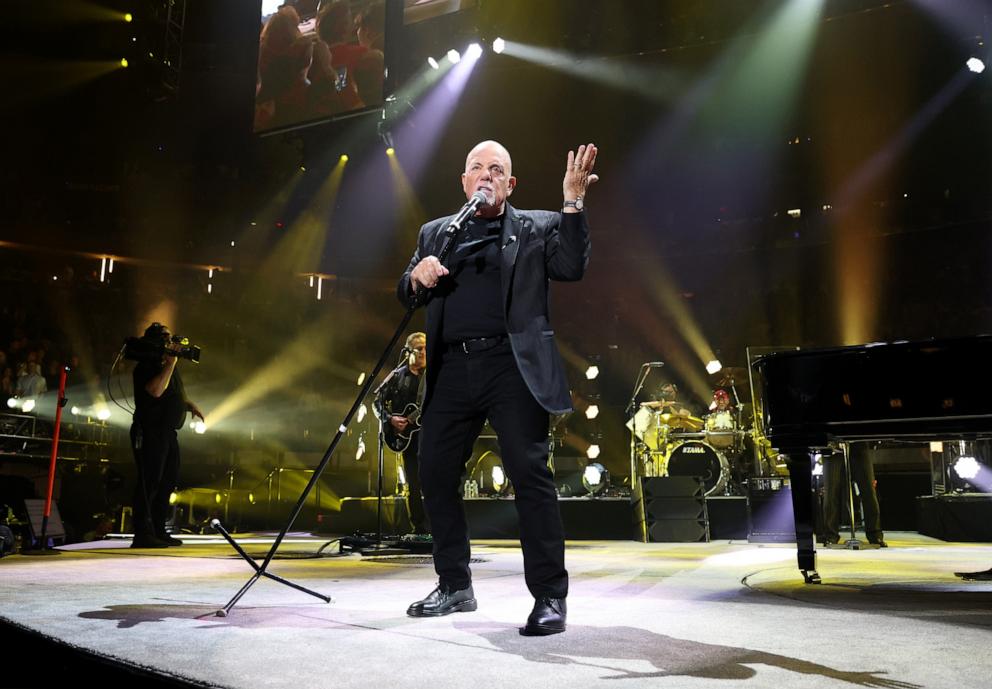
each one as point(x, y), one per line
point(378, 545)
point(260, 570)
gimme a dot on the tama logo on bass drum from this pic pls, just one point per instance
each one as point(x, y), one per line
point(693, 450)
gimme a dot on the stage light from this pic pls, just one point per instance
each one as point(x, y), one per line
point(13, 402)
point(390, 151)
point(592, 411)
point(75, 410)
point(975, 65)
point(361, 378)
point(592, 372)
point(594, 478)
point(362, 412)
point(344, 157)
point(499, 479)
point(454, 57)
point(713, 366)
point(128, 18)
point(199, 427)
point(795, 212)
point(218, 498)
point(103, 414)
point(817, 465)
point(251, 498)
point(433, 63)
point(360, 452)
point(474, 52)
point(966, 467)
point(27, 406)
point(498, 45)
point(123, 62)
point(592, 452)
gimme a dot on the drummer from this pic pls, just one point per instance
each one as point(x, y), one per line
point(721, 401)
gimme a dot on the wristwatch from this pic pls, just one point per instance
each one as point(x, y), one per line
point(577, 204)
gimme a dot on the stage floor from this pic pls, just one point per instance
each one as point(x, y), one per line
point(640, 614)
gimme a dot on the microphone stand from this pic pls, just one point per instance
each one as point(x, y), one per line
point(419, 298)
point(635, 484)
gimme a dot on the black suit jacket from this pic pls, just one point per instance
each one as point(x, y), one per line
point(537, 246)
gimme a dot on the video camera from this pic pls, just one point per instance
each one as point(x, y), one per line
point(150, 348)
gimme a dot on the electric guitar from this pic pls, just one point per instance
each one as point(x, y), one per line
point(399, 441)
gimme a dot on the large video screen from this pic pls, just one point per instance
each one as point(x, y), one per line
point(318, 59)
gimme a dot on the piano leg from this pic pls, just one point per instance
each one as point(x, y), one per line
point(801, 479)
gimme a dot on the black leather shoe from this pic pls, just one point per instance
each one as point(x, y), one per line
point(169, 540)
point(444, 602)
point(547, 617)
point(148, 542)
point(879, 542)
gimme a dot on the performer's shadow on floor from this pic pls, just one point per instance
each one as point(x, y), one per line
point(598, 646)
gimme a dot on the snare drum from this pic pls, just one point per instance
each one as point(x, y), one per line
point(721, 429)
point(696, 458)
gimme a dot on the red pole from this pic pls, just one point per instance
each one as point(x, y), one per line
point(55, 453)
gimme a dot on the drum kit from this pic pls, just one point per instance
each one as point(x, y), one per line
point(715, 447)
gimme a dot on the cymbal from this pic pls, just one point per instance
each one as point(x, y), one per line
point(656, 404)
point(678, 421)
point(728, 375)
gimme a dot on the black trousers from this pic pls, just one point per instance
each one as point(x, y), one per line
point(415, 500)
point(471, 388)
point(156, 453)
point(836, 492)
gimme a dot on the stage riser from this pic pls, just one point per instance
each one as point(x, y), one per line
point(961, 518)
point(583, 519)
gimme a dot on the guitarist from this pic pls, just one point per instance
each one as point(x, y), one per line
point(403, 388)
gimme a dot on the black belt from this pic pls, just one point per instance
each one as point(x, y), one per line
point(476, 344)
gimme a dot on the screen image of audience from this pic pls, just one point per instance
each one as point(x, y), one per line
point(318, 59)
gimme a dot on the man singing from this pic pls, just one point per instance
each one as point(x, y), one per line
point(491, 354)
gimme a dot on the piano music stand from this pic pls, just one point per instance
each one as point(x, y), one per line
point(853, 543)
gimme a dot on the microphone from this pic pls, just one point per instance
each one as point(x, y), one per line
point(654, 364)
point(406, 350)
point(468, 210)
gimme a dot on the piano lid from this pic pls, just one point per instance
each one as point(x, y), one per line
point(925, 389)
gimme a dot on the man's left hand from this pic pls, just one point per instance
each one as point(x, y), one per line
point(578, 172)
point(195, 411)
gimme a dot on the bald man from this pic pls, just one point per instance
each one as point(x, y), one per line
point(491, 354)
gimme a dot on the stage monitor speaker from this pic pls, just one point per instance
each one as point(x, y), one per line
point(678, 531)
point(770, 516)
point(36, 513)
point(671, 487)
point(727, 515)
point(674, 508)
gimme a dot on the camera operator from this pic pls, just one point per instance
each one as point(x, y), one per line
point(160, 410)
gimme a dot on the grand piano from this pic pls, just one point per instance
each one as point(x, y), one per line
point(920, 391)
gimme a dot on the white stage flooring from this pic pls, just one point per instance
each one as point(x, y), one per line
point(661, 615)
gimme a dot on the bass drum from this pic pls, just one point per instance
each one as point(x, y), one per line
point(696, 458)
